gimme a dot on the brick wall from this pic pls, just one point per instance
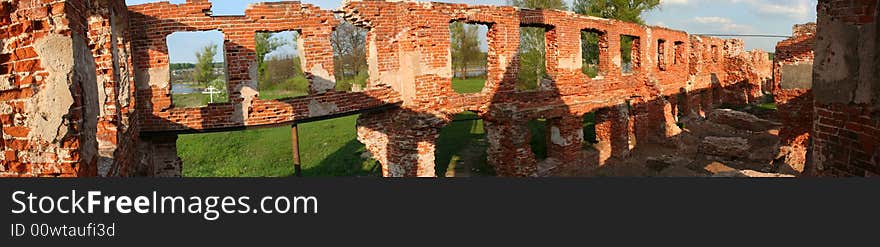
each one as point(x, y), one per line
point(408, 35)
point(794, 98)
point(66, 108)
point(115, 97)
point(153, 22)
point(846, 89)
point(40, 105)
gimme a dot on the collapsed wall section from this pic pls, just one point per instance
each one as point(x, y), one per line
point(409, 52)
point(846, 89)
point(41, 91)
point(67, 108)
point(153, 22)
point(793, 67)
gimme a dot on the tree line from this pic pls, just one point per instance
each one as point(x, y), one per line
point(349, 46)
point(532, 68)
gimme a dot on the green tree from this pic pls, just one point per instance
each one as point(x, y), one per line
point(349, 52)
point(204, 69)
point(624, 10)
point(532, 50)
point(465, 46)
point(590, 53)
point(265, 44)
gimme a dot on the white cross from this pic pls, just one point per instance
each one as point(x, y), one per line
point(212, 91)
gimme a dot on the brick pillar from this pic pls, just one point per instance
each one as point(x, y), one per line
point(613, 131)
point(670, 118)
point(403, 142)
point(566, 138)
point(157, 157)
point(372, 131)
point(509, 151)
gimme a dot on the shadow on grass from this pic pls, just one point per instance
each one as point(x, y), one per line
point(465, 133)
point(346, 161)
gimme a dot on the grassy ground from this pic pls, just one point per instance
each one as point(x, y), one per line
point(189, 100)
point(293, 87)
point(470, 85)
point(457, 136)
point(327, 148)
point(768, 106)
point(330, 148)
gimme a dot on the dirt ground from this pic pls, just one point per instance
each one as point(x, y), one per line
point(726, 143)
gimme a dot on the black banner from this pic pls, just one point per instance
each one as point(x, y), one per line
point(494, 211)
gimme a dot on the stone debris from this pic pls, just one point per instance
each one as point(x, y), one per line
point(751, 174)
point(662, 162)
point(740, 120)
point(733, 147)
point(717, 168)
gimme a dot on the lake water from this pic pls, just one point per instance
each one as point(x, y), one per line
point(184, 89)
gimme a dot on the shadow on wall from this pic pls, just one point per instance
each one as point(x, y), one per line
point(404, 139)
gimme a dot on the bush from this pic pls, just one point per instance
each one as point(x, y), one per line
point(344, 84)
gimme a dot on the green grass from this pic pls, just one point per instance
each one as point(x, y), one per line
point(767, 106)
point(539, 138)
point(457, 136)
point(327, 148)
point(590, 129)
point(470, 85)
point(591, 70)
point(292, 87)
point(538, 128)
point(197, 99)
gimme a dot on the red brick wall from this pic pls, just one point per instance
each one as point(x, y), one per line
point(795, 105)
point(67, 105)
point(109, 37)
point(409, 62)
point(846, 88)
point(153, 22)
point(37, 142)
point(408, 35)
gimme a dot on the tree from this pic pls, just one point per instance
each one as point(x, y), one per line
point(349, 50)
point(624, 10)
point(265, 44)
point(204, 70)
point(532, 65)
point(465, 42)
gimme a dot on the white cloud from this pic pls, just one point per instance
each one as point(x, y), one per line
point(712, 19)
point(799, 9)
point(723, 24)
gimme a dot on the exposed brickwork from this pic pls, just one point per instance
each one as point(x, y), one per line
point(409, 64)
point(405, 35)
point(795, 104)
point(846, 88)
point(153, 22)
point(44, 132)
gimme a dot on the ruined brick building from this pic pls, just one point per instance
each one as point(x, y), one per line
point(84, 85)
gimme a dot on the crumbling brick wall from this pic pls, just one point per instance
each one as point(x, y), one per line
point(67, 108)
point(793, 65)
point(153, 22)
point(846, 89)
point(44, 131)
point(120, 127)
point(408, 50)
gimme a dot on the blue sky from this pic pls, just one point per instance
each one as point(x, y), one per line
point(774, 17)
